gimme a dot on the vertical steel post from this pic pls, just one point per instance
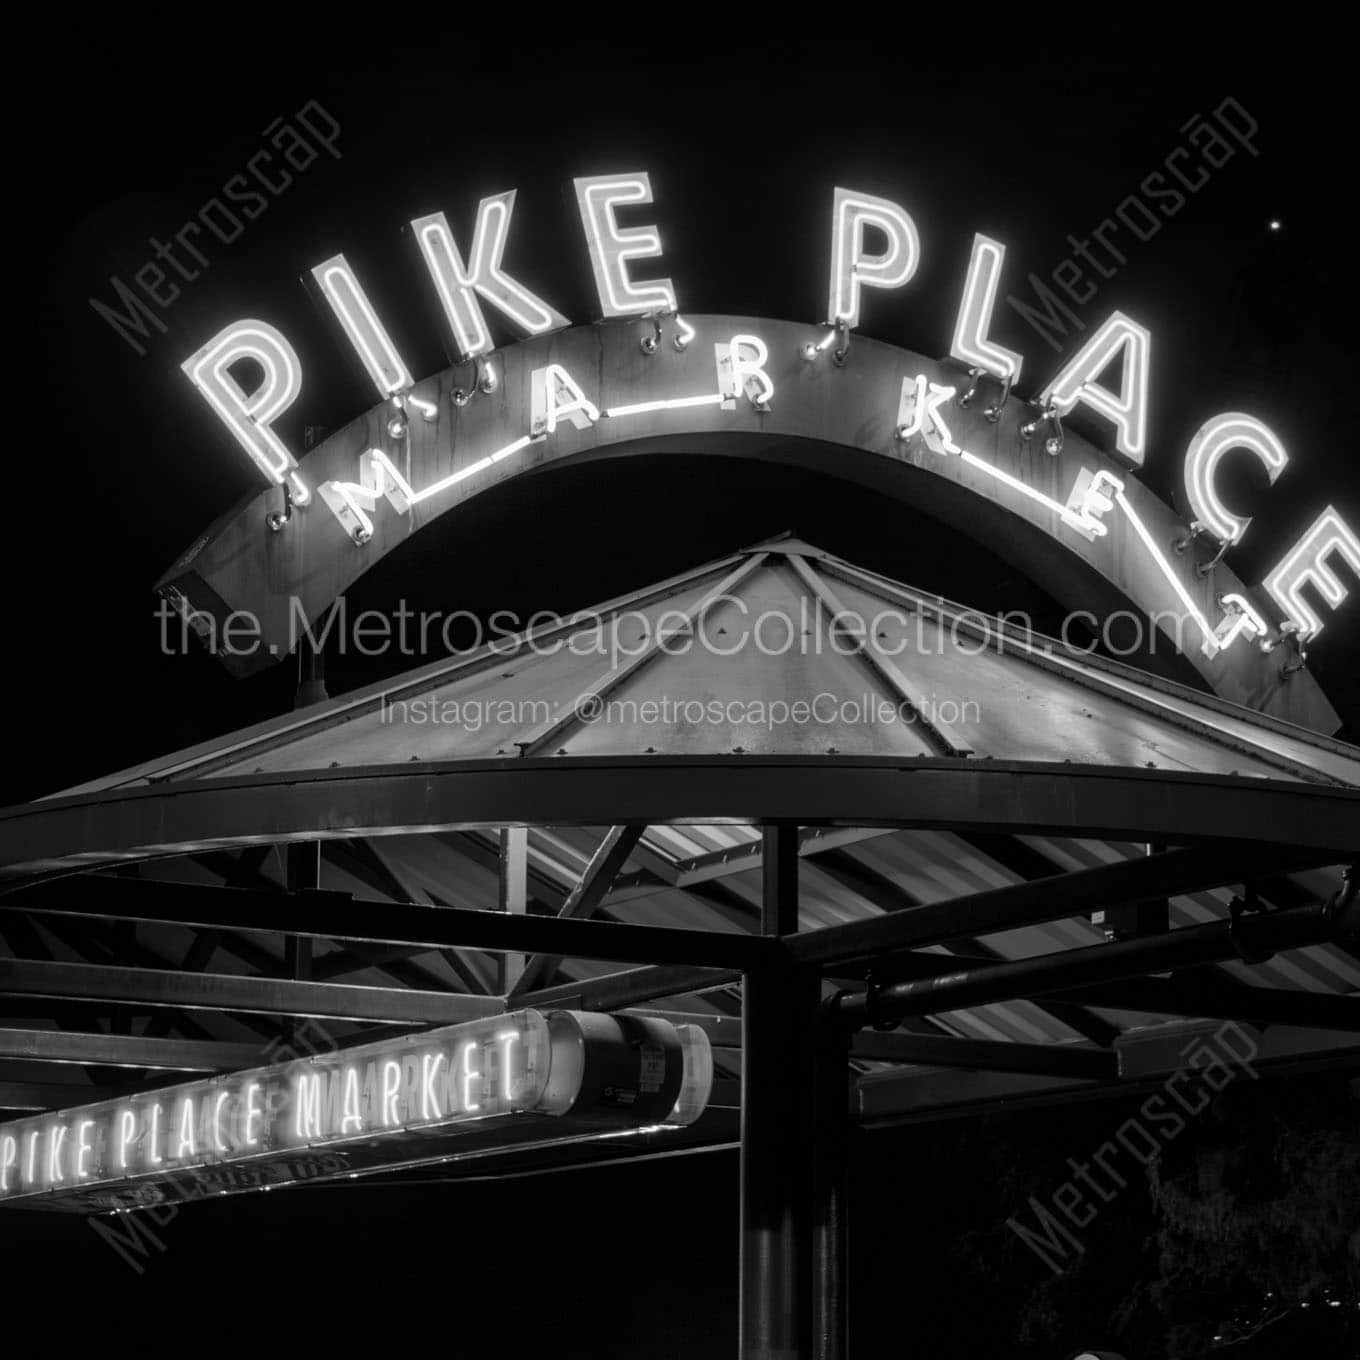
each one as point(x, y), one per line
point(514, 894)
point(311, 665)
point(778, 1004)
point(302, 871)
point(302, 860)
point(830, 1190)
point(779, 872)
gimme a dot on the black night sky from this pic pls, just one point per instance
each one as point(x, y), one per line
point(123, 465)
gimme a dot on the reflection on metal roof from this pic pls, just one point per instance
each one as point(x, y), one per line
point(779, 650)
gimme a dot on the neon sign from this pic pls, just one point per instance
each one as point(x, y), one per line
point(612, 247)
point(405, 467)
point(398, 1102)
point(460, 285)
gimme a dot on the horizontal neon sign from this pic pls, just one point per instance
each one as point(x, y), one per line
point(379, 1106)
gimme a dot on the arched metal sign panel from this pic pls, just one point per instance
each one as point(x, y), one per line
point(982, 477)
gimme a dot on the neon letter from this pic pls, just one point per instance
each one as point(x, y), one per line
point(9, 1154)
point(1212, 440)
point(971, 344)
point(547, 387)
point(253, 1115)
point(83, 1148)
point(1077, 382)
point(1092, 498)
point(351, 502)
point(611, 246)
point(508, 1039)
point(127, 1126)
point(307, 1121)
point(851, 268)
point(458, 284)
point(218, 1144)
point(360, 323)
point(934, 430)
point(738, 372)
point(186, 1147)
point(249, 417)
point(1241, 617)
point(56, 1136)
point(429, 1098)
point(153, 1147)
point(470, 1074)
point(1306, 562)
point(351, 1115)
point(391, 1086)
point(911, 406)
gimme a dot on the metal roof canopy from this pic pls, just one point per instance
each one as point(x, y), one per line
point(345, 768)
point(903, 904)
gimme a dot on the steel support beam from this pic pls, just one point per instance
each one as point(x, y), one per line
point(887, 1098)
point(613, 991)
point(126, 1050)
point(1040, 900)
point(1160, 1050)
point(888, 896)
point(333, 915)
point(1253, 936)
point(813, 841)
point(605, 864)
point(908, 1097)
point(190, 816)
point(302, 862)
point(986, 1055)
point(38, 1095)
point(371, 863)
point(252, 995)
point(1188, 996)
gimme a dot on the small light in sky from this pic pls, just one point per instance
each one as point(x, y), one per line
point(1275, 224)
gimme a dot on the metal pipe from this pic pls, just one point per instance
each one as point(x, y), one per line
point(611, 991)
point(778, 1015)
point(779, 1004)
point(779, 880)
point(830, 1191)
point(1211, 943)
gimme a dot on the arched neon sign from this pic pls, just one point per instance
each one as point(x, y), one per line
point(653, 377)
